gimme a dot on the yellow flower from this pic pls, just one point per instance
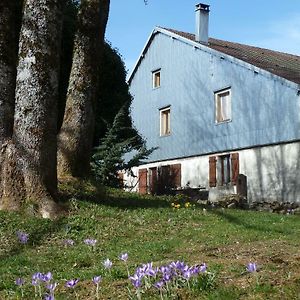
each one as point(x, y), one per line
point(187, 204)
point(177, 205)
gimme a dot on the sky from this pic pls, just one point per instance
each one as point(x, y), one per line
point(271, 24)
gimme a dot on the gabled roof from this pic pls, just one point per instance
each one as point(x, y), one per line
point(281, 64)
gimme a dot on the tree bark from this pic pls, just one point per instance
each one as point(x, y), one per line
point(76, 136)
point(29, 168)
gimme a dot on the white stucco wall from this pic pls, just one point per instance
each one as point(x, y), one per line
point(273, 173)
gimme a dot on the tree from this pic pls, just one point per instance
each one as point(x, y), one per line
point(76, 135)
point(28, 153)
point(113, 92)
point(109, 157)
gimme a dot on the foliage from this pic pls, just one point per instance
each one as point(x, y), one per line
point(113, 92)
point(109, 159)
point(127, 223)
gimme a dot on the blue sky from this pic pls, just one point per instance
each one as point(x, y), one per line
point(269, 24)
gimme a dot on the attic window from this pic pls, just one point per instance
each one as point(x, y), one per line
point(156, 79)
point(223, 106)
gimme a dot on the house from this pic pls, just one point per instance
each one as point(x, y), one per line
point(224, 116)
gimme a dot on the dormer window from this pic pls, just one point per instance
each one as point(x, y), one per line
point(156, 79)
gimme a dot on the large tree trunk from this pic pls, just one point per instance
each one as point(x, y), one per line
point(76, 135)
point(30, 160)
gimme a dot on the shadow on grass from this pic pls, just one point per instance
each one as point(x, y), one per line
point(247, 225)
point(134, 201)
point(92, 192)
point(37, 235)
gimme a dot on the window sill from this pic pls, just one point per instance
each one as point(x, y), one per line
point(223, 122)
point(165, 135)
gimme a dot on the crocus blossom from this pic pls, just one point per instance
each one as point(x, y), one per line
point(251, 267)
point(23, 237)
point(20, 281)
point(107, 264)
point(72, 283)
point(124, 256)
point(90, 242)
point(97, 279)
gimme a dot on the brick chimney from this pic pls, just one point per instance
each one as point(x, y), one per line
point(202, 17)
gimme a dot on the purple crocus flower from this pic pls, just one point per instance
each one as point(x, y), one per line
point(251, 267)
point(49, 297)
point(20, 281)
point(97, 279)
point(167, 273)
point(69, 242)
point(159, 284)
point(202, 268)
point(147, 270)
point(107, 264)
point(46, 277)
point(72, 283)
point(90, 242)
point(136, 280)
point(23, 237)
point(51, 287)
point(177, 265)
point(195, 270)
point(36, 278)
point(124, 257)
point(187, 274)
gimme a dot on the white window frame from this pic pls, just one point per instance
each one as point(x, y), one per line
point(223, 112)
point(165, 121)
point(156, 75)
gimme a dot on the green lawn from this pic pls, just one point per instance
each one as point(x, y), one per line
point(149, 229)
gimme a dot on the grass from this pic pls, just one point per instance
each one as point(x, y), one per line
point(149, 229)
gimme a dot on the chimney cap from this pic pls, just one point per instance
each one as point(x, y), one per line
point(202, 6)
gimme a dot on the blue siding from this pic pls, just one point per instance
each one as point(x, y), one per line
point(265, 108)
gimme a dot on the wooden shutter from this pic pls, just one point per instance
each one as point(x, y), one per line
point(176, 175)
point(212, 171)
point(153, 180)
point(121, 178)
point(235, 167)
point(143, 181)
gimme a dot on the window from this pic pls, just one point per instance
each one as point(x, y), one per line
point(156, 79)
point(223, 166)
point(223, 106)
point(223, 169)
point(165, 125)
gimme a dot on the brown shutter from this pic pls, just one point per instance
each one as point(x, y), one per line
point(153, 180)
point(235, 168)
point(121, 178)
point(176, 175)
point(212, 171)
point(143, 181)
